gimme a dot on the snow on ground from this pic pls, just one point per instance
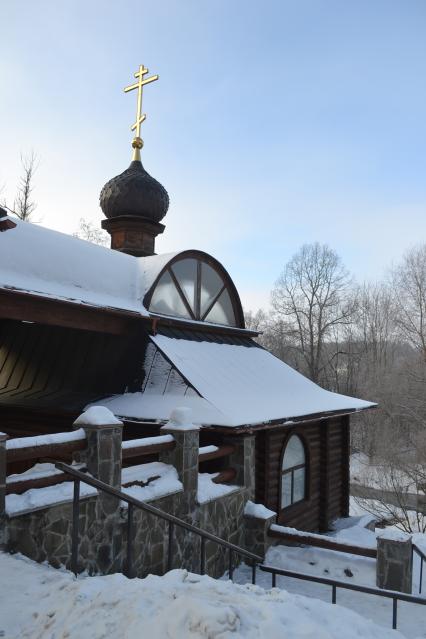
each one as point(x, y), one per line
point(343, 567)
point(43, 603)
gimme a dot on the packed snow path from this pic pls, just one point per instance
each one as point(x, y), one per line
point(39, 602)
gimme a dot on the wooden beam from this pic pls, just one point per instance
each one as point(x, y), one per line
point(225, 475)
point(18, 305)
point(313, 540)
point(222, 451)
point(152, 449)
point(45, 450)
point(28, 307)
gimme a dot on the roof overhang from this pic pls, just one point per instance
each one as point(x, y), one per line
point(32, 307)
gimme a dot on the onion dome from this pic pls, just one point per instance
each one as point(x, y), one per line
point(134, 202)
point(134, 192)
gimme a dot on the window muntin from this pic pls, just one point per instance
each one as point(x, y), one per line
point(166, 299)
point(293, 472)
point(193, 289)
point(211, 286)
point(185, 272)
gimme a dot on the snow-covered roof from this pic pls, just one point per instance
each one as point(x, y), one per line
point(238, 385)
point(150, 407)
point(37, 260)
point(44, 262)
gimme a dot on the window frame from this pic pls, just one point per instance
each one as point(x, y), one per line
point(290, 471)
point(196, 315)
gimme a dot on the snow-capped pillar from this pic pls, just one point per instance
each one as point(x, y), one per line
point(103, 453)
point(243, 460)
point(3, 438)
point(394, 561)
point(184, 457)
point(257, 522)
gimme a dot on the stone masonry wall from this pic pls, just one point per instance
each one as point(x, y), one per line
point(45, 534)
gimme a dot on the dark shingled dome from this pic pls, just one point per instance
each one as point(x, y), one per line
point(134, 192)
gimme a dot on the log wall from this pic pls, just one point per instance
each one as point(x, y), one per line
point(327, 472)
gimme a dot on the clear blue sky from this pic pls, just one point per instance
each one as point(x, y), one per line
point(273, 123)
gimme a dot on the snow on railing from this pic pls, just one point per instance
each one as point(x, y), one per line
point(54, 444)
point(147, 446)
point(46, 440)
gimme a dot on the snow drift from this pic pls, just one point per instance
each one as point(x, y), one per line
point(42, 603)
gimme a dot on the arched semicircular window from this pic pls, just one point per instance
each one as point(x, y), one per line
point(293, 472)
point(193, 289)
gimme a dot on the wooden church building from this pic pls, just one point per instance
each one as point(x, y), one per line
point(143, 334)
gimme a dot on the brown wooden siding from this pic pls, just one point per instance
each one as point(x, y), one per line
point(326, 445)
point(52, 367)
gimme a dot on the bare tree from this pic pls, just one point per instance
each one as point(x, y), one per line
point(394, 491)
point(24, 206)
point(312, 298)
point(409, 284)
point(91, 233)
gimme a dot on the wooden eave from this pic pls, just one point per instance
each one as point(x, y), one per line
point(254, 428)
point(31, 307)
point(279, 423)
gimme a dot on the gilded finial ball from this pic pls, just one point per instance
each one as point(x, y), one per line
point(137, 143)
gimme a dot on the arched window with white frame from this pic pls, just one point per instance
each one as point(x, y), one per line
point(293, 472)
point(195, 286)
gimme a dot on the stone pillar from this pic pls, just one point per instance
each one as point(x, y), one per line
point(101, 533)
point(3, 540)
point(256, 526)
point(243, 460)
point(184, 458)
point(103, 453)
point(394, 561)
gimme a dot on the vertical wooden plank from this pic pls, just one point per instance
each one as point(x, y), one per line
point(269, 501)
point(346, 452)
point(324, 474)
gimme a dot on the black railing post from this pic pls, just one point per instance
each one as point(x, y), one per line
point(170, 548)
point(421, 575)
point(253, 572)
point(231, 564)
point(395, 596)
point(203, 556)
point(129, 567)
point(75, 523)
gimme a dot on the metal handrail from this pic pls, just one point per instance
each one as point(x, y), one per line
point(421, 554)
point(171, 519)
point(334, 583)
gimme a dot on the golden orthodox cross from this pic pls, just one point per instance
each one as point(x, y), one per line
point(140, 117)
